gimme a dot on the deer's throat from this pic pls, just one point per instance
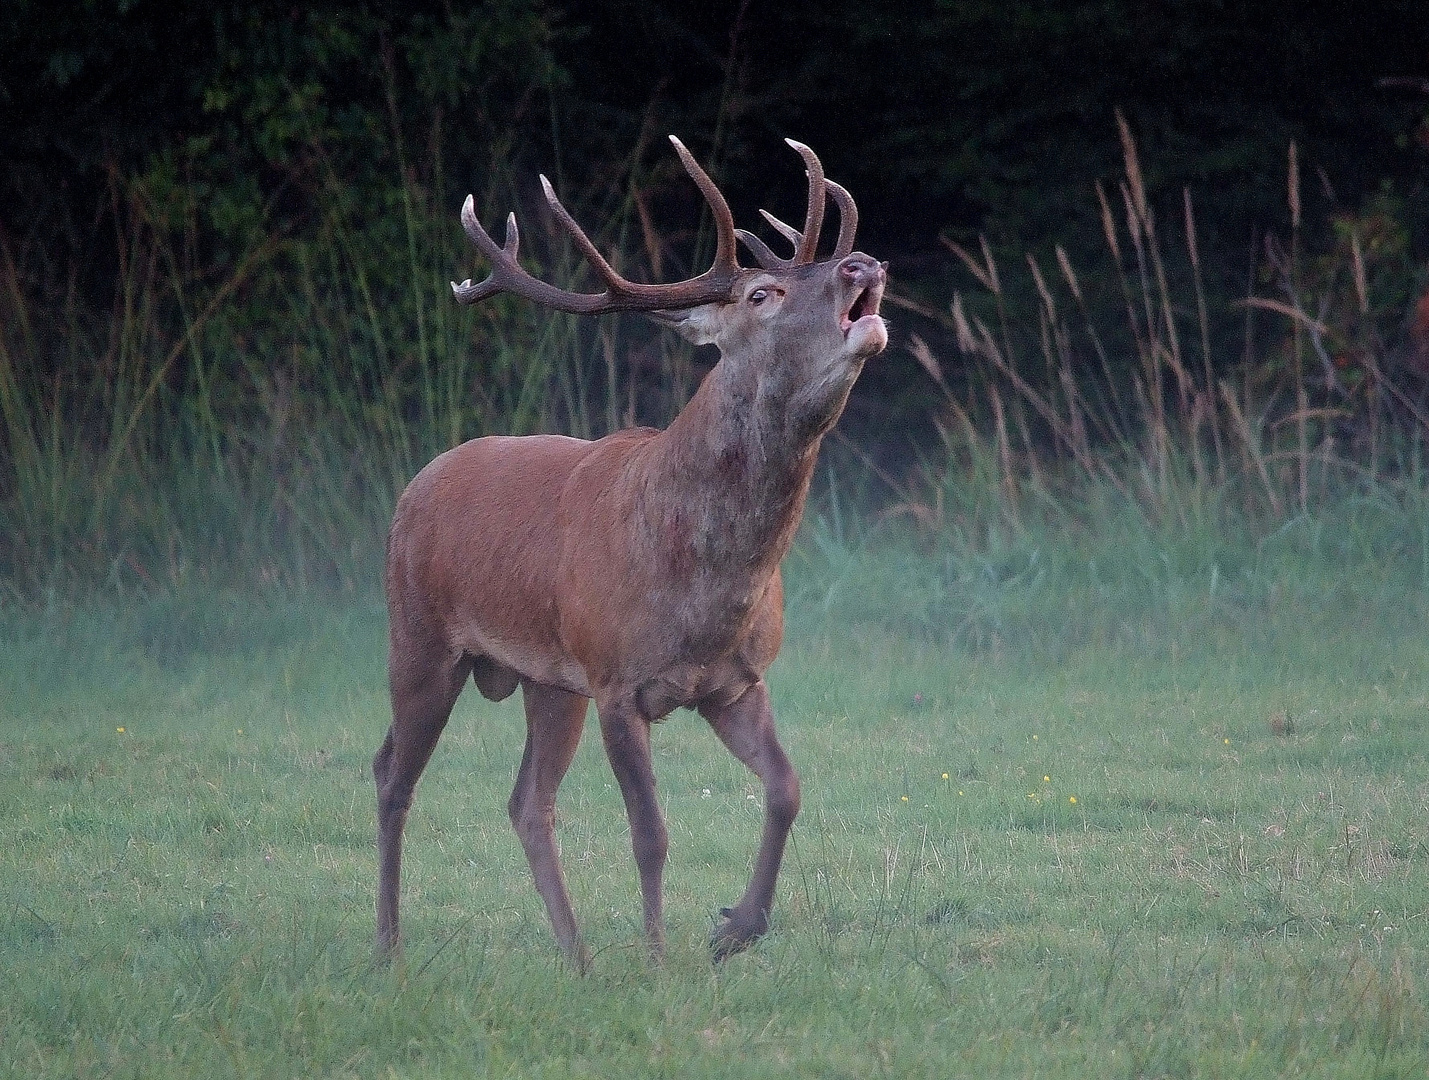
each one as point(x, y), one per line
point(737, 483)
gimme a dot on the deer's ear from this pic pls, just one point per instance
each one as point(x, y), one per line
point(696, 325)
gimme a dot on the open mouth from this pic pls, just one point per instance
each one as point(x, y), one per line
point(864, 304)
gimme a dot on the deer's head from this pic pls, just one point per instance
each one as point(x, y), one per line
point(799, 328)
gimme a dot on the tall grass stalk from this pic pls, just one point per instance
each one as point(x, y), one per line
point(1133, 421)
point(255, 418)
point(257, 423)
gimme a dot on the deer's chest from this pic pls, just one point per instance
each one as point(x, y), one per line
point(717, 643)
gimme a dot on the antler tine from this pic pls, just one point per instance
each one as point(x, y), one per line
point(848, 226)
point(507, 276)
point(848, 219)
point(788, 232)
point(766, 258)
point(814, 219)
point(726, 258)
point(501, 257)
point(614, 283)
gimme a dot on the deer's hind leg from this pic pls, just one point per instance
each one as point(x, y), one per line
point(424, 684)
point(746, 727)
point(627, 744)
point(554, 720)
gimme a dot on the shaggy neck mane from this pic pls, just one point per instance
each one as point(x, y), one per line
point(731, 474)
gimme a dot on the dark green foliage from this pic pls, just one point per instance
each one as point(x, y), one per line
point(959, 115)
point(226, 232)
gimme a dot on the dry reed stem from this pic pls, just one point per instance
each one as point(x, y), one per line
point(1108, 223)
point(1173, 338)
point(1139, 210)
point(1067, 433)
point(1399, 395)
point(19, 309)
point(894, 485)
point(983, 275)
point(909, 304)
point(1252, 448)
point(1151, 357)
point(1280, 308)
point(654, 248)
point(1301, 398)
point(20, 436)
point(1042, 289)
point(929, 363)
point(991, 266)
point(989, 349)
point(1069, 274)
point(1029, 448)
point(1081, 444)
point(1133, 170)
point(1110, 231)
point(116, 449)
point(1058, 352)
point(1044, 341)
point(966, 342)
point(1293, 182)
point(1004, 449)
point(1357, 263)
point(1111, 422)
point(1204, 322)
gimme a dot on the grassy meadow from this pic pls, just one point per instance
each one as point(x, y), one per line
point(1161, 831)
point(1110, 710)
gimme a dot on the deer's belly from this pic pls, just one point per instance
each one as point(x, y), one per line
point(541, 662)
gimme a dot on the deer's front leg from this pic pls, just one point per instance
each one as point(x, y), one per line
point(627, 744)
point(746, 727)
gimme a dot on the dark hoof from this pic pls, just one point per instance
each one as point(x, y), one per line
point(737, 933)
point(579, 958)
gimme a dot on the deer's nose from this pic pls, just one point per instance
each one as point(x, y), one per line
point(861, 270)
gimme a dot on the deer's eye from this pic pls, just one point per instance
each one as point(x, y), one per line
point(758, 296)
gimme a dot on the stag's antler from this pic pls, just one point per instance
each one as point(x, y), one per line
point(620, 294)
point(806, 243)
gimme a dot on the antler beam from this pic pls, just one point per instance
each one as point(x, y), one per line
point(619, 294)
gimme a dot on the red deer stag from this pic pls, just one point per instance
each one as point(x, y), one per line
point(641, 569)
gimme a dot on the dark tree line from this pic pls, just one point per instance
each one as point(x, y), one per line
point(226, 232)
point(954, 116)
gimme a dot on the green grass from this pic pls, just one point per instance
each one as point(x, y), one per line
point(1189, 595)
point(1227, 896)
